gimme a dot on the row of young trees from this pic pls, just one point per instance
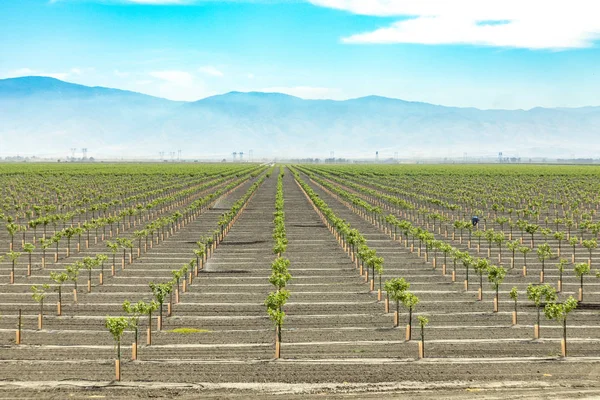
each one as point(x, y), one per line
point(543, 296)
point(161, 199)
point(280, 275)
point(181, 278)
point(366, 260)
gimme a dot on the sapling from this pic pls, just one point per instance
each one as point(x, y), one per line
point(136, 311)
point(580, 270)
point(116, 326)
point(423, 321)
point(559, 312)
point(514, 295)
point(539, 294)
point(409, 301)
point(562, 263)
point(177, 274)
point(274, 302)
point(160, 292)
point(280, 274)
point(496, 277)
point(379, 269)
point(89, 263)
point(573, 241)
point(59, 279)
point(395, 288)
point(524, 250)
point(14, 257)
point(73, 274)
point(114, 247)
point(543, 252)
point(45, 243)
point(531, 229)
point(28, 248)
point(559, 236)
point(481, 266)
point(513, 246)
point(590, 245)
point(101, 258)
point(39, 294)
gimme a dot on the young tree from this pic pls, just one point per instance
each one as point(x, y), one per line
point(59, 279)
point(481, 266)
point(559, 236)
point(395, 289)
point(524, 250)
point(73, 274)
point(280, 275)
point(45, 243)
point(423, 321)
point(39, 294)
point(28, 248)
point(531, 229)
point(539, 294)
point(136, 311)
point(559, 312)
point(573, 241)
point(89, 263)
point(499, 239)
point(274, 302)
point(160, 292)
point(496, 277)
point(514, 295)
point(409, 301)
point(513, 246)
point(101, 258)
point(116, 326)
point(14, 257)
point(590, 245)
point(114, 247)
point(580, 270)
point(562, 263)
point(543, 252)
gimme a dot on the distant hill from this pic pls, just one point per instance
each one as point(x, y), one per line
point(40, 115)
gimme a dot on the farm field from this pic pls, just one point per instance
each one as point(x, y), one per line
point(287, 280)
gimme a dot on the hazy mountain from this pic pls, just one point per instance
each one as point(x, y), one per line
point(47, 116)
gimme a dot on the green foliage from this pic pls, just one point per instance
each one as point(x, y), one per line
point(396, 287)
point(161, 290)
point(581, 269)
point(496, 275)
point(514, 293)
point(559, 311)
point(39, 292)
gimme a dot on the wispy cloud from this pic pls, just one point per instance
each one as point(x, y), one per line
point(174, 77)
point(176, 85)
point(306, 92)
point(210, 70)
point(73, 72)
point(532, 24)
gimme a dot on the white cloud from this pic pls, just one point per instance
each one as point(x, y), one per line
point(121, 74)
point(210, 70)
point(32, 72)
point(174, 77)
point(532, 24)
point(175, 85)
point(306, 92)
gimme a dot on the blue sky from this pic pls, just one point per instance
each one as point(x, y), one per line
point(480, 53)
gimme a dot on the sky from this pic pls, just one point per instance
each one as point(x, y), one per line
point(469, 53)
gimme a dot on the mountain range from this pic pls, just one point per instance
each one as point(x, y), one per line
point(45, 116)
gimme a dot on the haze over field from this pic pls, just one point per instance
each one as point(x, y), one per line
point(45, 116)
point(300, 78)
